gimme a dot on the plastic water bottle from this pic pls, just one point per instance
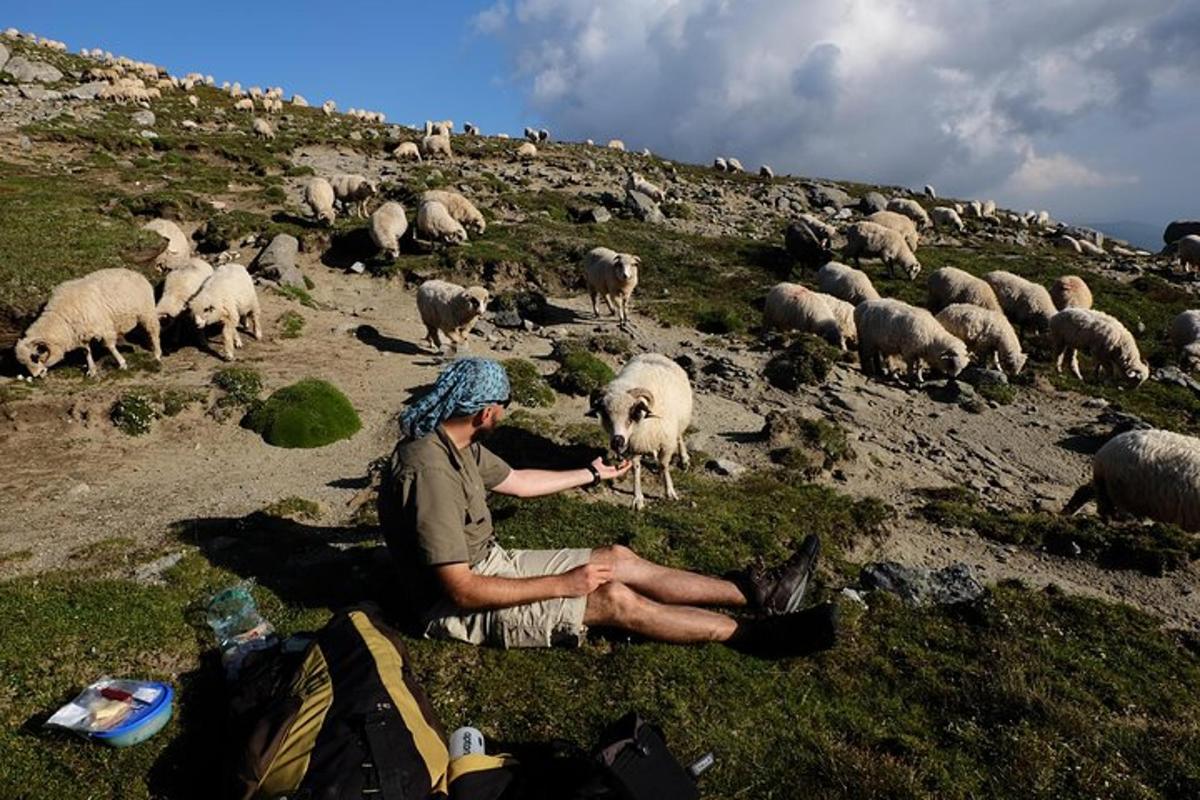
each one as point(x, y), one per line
point(466, 741)
point(240, 629)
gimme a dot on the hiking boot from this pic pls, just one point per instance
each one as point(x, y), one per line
point(783, 591)
point(801, 633)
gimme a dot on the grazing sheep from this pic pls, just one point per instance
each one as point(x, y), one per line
point(459, 207)
point(435, 224)
point(766, 172)
point(1071, 291)
point(180, 286)
point(1103, 337)
point(179, 249)
point(988, 209)
point(543, 136)
point(900, 224)
point(988, 334)
point(613, 276)
point(436, 146)
point(734, 165)
point(911, 209)
point(531, 135)
point(263, 129)
point(328, 108)
point(298, 101)
point(1067, 243)
point(944, 217)
point(228, 297)
point(1187, 249)
point(102, 305)
point(646, 410)
point(526, 151)
point(949, 285)
point(1147, 473)
point(1092, 249)
point(1185, 335)
point(792, 307)
point(388, 224)
point(973, 208)
point(354, 191)
point(616, 144)
point(930, 193)
point(193, 101)
point(636, 183)
point(450, 309)
point(720, 165)
point(1025, 303)
point(318, 196)
point(893, 328)
point(822, 228)
point(407, 151)
point(809, 245)
point(869, 239)
point(245, 104)
point(470, 129)
point(843, 312)
point(846, 283)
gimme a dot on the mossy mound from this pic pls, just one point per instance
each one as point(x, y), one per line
point(311, 413)
point(529, 388)
point(579, 372)
point(806, 361)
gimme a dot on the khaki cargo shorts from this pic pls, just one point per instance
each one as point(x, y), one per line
point(549, 623)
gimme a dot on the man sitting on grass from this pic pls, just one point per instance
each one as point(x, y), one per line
point(463, 585)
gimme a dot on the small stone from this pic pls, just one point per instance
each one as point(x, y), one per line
point(727, 467)
point(144, 118)
point(78, 490)
point(358, 268)
point(148, 135)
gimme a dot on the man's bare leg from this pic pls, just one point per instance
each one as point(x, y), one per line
point(617, 605)
point(665, 584)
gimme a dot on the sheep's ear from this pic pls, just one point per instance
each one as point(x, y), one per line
point(594, 404)
point(644, 397)
point(41, 348)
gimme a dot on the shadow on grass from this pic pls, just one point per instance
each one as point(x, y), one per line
point(524, 449)
point(369, 334)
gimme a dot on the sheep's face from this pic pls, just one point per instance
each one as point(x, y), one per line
point(37, 356)
point(205, 314)
point(913, 268)
point(475, 300)
point(1137, 373)
point(954, 361)
point(627, 266)
point(1015, 362)
point(621, 413)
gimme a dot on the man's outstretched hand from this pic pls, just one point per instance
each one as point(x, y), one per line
point(608, 473)
point(584, 580)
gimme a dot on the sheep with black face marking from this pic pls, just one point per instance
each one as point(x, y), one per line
point(459, 207)
point(1147, 473)
point(1185, 335)
point(720, 164)
point(949, 285)
point(1103, 337)
point(911, 209)
point(388, 224)
point(792, 307)
point(103, 305)
point(988, 335)
point(646, 410)
point(889, 328)
point(846, 283)
point(613, 276)
point(900, 224)
point(1025, 303)
point(871, 240)
point(450, 309)
point(228, 297)
point(434, 224)
point(353, 191)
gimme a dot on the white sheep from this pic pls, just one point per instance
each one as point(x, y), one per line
point(245, 104)
point(526, 151)
point(228, 297)
point(766, 172)
point(1066, 242)
point(353, 191)
point(646, 410)
point(616, 144)
point(263, 129)
point(613, 276)
point(1092, 249)
point(792, 307)
point(1148, 473)
point(636, 183)
point(949, 285)
point(1103, 337)
point(1187, 249)
point(470, 129)
point(298, 101)
point(543, 136)
point(318, 196)
point(988, 334)
point(435, 224)
point(869, 239)
point(531, 134)
point(179, 249)
point(101, 305)
point(180, 286)
point(900, 224)
point(459, 207)
point(893, 328)
point(734, 165)
point(328, 108)
point(911, 209)
point(1025, 303)
point(407, 151)
point(843, 312)
point(974, 209)
point(930, 193)
point(846, 283)
point(436, 146)
point(450, 309)
point(388, 224)
point(720, 165)
point(1071, 291)
point(944, 217)
point(1185, 335)
point(988, 209)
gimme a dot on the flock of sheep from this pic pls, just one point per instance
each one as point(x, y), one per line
point(648, 407)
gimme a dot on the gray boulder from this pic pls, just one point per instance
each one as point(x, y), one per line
point(143, 118)
point(1181, 228)
point(87, 91)
point(26, 71)
point(595, 214)
point(644, 208)
point(288, 276)
point(1085, 234)
point(918, 587)
point(872, 202)
point(822, 196)
point(3, 56)
point(38, 93)
point(277, 256)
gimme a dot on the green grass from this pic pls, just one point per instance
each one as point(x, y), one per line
point(299, 295)
point(1154, 549)
point(294, 508)
point(806, 360)
point(135, 410)
point(529, 388)
point(309, 413)
point(241, 386)
point(579, 372)
point(291, 324)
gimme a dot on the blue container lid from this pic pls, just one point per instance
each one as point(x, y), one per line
point(144, 714)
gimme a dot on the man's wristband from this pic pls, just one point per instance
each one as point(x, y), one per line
point(595, 475)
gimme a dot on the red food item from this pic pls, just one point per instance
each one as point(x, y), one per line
point(112, 693)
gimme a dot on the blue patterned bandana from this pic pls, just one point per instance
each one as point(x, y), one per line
point(466, 387)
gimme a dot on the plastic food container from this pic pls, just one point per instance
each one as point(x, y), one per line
point(118, 713)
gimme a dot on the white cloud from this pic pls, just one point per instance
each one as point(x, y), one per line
point(491, 20)
point(890, 91)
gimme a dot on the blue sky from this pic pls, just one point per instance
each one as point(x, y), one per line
point(1087, 108)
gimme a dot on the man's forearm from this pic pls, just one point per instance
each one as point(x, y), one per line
point(485, 591)
point(541, 482)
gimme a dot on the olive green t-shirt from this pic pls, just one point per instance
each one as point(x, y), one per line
point(434, 501)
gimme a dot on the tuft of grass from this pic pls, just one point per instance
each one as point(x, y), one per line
point(1153, 549)
point(241, 385)
point(1002, 393)
point(299, 295)
point(310, 413)
point(720, 321)
point(136, 410)
point(294, 508)
point(579, 372)
point(529, 388)
point(805, 361)
point(808, 445)
point(291, 324)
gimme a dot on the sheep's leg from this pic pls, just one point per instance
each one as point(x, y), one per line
point(111, 343)
point(685, 458)
point(91, 369)
point(996, 360)
point(595, 305)
point(460, 339)
point(608, 302)
point(154, 331)
point(434, 339)
point(255, 316)
point(230, 338)
point(1075, 363)
point(669, 485)
point(639, 499)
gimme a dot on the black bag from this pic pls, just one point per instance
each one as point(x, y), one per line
point(637, 765)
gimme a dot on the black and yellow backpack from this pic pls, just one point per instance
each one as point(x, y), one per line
point(350, 722)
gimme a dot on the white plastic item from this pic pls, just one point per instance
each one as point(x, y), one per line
point(466, 741)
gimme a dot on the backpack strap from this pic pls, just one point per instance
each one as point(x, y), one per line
point(385, 739)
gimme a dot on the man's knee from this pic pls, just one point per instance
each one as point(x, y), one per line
point(614, 554)
point(615, 603)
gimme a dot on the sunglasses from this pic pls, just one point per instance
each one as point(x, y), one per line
point(505, 403)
